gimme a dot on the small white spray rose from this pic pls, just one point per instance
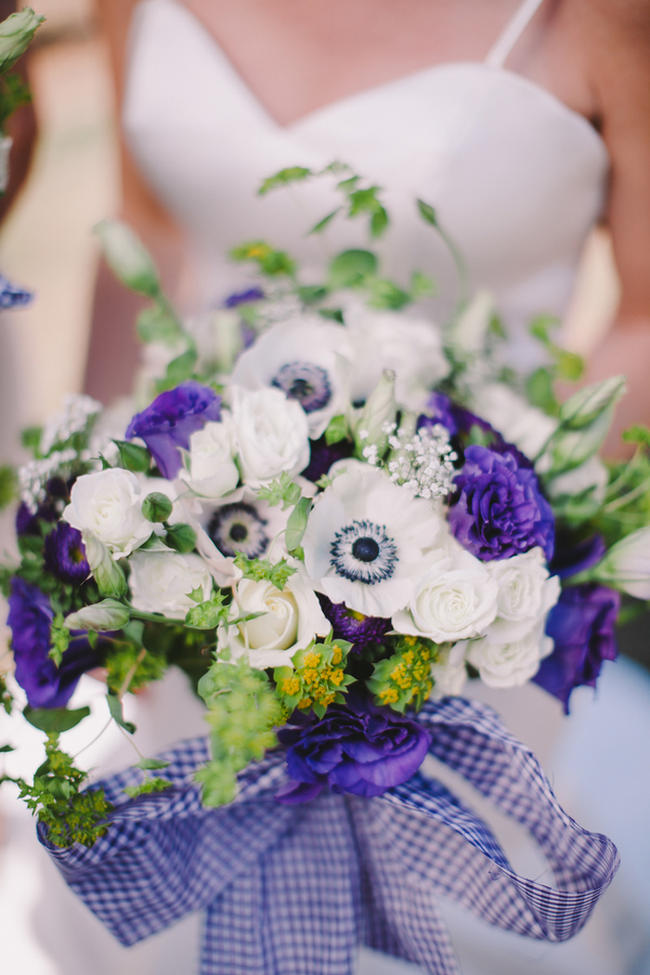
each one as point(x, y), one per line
point(271, 434)
point(506, 658)
point(526, 592)
point(161, 582)
point(107, 504)
point(211, 471)
point(449, 672)
point(281, 623)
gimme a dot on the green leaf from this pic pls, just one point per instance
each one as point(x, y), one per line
point(151, 763)
point(132, 456)
point(178, 370)
point(156, 324)
point(147, 787)
point(56, 720)
point(182, 538)
point(349, 268)
point(570, 366)
point(209, 614)
point(284, 177)
point(325, 222)
point(378, 222)
point(422, 285)
point(128, 258)
point(269, 260)
point(157, 507)
point(296, 524)
point(383, 293)
point(281, 490)
point(427, 213)
point(117, 714)
point(277, 573)
point(108, 614)
point(30, 438)
point(337, 429)
point(539, 389)
point(541, 327)
point(4, 749)
point(8, 485)
point(638, 434)
point(310, 294)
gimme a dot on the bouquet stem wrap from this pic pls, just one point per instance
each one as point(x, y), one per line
point(294, 889)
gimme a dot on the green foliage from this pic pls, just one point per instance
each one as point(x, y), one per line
point(272, 262)
point(282, 490)
point(637, 434)
point(8, 485)
point(422, 285)
point(180, 537)
point(322, 224)
point(403, 680)
point(152, 763)
point(178, 370)
point(242, 712)
point(147, 787)
point(317, 678)
point(114, 702)
point(30, 439)
point(59, 639)
point(54, 720)
point(427, 213)
point(350, 268)
point(6, 699)
point(125, 663)
point(383, 293)
point(296, 524)
point(337, 429)
point(132, 456)
point(277, 573)
point(209, 614)
point(284, 177)
point(68, 814)
point(540, 392)
point(157, 324)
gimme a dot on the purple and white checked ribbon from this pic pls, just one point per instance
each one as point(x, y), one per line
point(293, 889)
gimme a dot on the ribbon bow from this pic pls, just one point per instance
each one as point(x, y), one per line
point(294, 889)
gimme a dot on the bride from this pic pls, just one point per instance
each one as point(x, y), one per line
point(523, 123)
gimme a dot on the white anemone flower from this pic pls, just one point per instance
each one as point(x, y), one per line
point(410, 346)
point(367, 539)
point(244, 523)
point(309, 360)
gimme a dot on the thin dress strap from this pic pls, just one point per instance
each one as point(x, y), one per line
point(513, 30)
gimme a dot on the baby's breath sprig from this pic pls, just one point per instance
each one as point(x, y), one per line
point(317, 678)
point(404, 680)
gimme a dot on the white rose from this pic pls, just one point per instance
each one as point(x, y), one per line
point(6, 656)
point(162, 581)
point(505, 658)
point(451, 602)
point(288, 621)
point(525, 590)
point(520, 423)
point(108, 505)
point(449, 672)
point(272, 435)
point(211, 471)
point(410, 346)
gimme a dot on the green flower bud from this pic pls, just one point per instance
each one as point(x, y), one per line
point(156, 507)
point(16, 33)
point(108, 575)
point(370, 430)
point(106, 615)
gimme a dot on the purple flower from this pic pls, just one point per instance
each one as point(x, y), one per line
point(570, 557)
point(30, 618)
point(500, 510)
point(349, 625)
point(243, 297)
point(582, 626)
point(11, 295)
point(168, 422)
point(457, 419)
point(65, 554)
point(356, 748)
point(323, 455)
point(57, 495)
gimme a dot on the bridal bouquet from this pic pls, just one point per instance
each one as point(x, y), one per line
point(331, 514)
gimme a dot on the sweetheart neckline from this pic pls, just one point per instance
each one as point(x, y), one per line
point(338, 104)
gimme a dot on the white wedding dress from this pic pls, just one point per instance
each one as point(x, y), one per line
point(518, 180)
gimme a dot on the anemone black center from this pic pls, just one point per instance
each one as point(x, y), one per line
point(238, 532)
point(300, 389)
point(365, 549)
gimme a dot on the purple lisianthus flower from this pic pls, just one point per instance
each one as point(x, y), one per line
point(356, 748)
point(243, 297)
point(570, 557)
point(65, 554)
point(499, 509)
point(11, 295)
point(57, 494)
point(349, 625)
point(323, 455)
point(582, 627)
point(172, 418)
point(30, 619)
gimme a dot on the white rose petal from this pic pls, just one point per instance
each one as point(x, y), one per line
point(505, 658)
point(107, 504)
point(161, 582)
point(272, 435)
point(6, 656)
point(525, 590)
point(451, 603)
point(288, 621)
point(211, 471)
point(520, 423)
point(449, 672)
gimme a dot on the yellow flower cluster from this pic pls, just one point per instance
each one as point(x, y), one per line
point(318, 678)
point(404, 679)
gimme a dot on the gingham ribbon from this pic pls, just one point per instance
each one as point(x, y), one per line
point(288, 890)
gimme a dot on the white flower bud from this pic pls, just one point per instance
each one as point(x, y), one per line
point(627, 565)
point(106, 615)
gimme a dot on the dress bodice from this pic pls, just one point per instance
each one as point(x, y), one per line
point(517, 178)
